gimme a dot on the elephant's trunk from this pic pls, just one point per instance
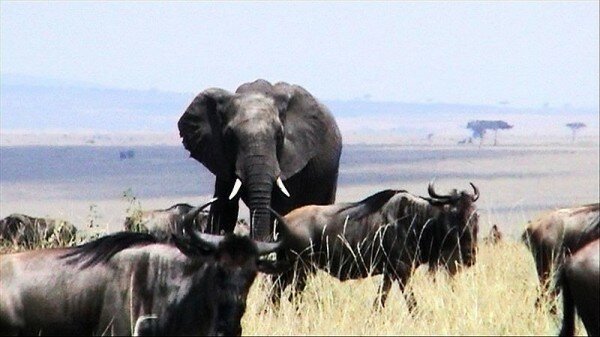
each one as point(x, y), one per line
point(259, 186)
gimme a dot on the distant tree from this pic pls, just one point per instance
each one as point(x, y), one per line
point(479, 128)
point(574, 128)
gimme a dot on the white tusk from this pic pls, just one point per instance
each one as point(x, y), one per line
point(282, 187)
point(236, 188)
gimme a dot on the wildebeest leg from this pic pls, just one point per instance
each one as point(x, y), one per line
point(432, 270)
point(544, 264)
point(409, 296)
point(301, 276)
point(384, 289)
point(568, 323)
point(280, 282)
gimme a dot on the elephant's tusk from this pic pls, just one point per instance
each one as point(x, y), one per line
point(236, 188)
point(282, 187)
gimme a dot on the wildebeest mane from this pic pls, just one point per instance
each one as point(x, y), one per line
point(103, 249)
point(588, 208)
point(186, 205)
point(369, 205)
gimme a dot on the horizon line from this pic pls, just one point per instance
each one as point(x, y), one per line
point(501, 103)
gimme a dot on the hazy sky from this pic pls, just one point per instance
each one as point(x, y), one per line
point(468, 52)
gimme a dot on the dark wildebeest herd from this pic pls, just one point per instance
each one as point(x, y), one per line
point(196, 286)
point(24, 230)
point(162, 223)
point(185, 271)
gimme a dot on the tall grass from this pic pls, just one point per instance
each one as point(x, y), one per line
point(494, 297)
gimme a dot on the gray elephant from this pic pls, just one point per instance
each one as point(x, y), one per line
point(259, 137)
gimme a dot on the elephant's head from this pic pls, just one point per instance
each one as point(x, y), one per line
point(254, 139)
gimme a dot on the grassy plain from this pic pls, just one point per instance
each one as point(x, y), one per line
point(494, 297)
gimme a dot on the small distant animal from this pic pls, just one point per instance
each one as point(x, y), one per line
point(162, 223)
point(494, 237)
point(468, 140)
point(391, 233)
point(556, 234)
point(127, 281)
point(127, 154)
point(580, 282)
point(28, 231)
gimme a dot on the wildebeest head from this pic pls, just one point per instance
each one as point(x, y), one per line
point(494, 236)
point(198, 284)
point(460, 222)
point(238, 259)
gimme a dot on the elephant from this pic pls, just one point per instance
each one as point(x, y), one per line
point(261, 137)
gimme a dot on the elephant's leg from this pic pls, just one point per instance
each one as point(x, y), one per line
point(331, 191)
point(301, 277)
point(223, 212)
point(383, 292)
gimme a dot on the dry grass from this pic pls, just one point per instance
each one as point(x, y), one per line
point(494, 297)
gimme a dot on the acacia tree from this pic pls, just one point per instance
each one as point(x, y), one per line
point(479, 128)
point(574, 128)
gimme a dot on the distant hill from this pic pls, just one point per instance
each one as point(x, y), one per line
point(27, 104)
point(38, 104)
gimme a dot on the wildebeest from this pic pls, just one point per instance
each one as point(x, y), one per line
point(494, 236)
point(21, 229)
point(391, 233)
point(162, 223)
point(580, 281)
point(196, 286)
point(556, 234)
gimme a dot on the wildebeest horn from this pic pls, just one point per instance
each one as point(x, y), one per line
point(188, 221)
point(278, 217)
point(476, 195)
point(236, 188)
point(210, 241)
point(432, 193)
point(265, 248)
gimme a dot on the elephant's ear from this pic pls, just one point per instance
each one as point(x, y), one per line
point(200, 127)
point(308, 127)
